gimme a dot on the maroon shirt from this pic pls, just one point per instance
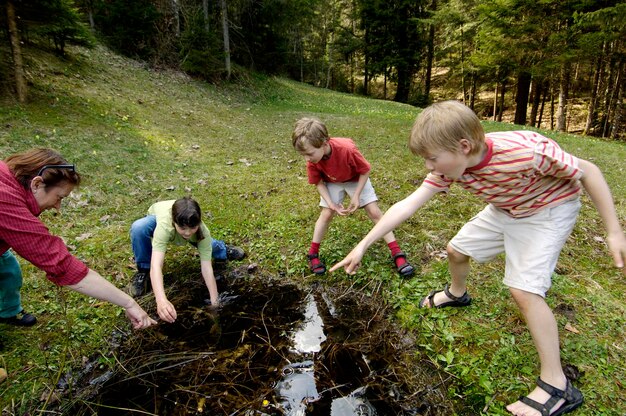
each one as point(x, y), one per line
point(22, 231)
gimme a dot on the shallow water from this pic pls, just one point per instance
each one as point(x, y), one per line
point(273, 348)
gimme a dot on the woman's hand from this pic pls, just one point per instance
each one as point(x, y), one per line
point(138, 317)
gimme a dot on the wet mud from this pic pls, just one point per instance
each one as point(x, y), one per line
point(273, 348)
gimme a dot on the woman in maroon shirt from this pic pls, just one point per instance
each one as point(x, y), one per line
point(32, 182)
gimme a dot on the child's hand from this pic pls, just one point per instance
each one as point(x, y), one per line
point(354, 205)
point(351, 262)
point(617, 247)
point(339, 209)
point(166, 311)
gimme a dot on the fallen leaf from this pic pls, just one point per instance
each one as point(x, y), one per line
point(83, 236)
point(569, 327)
point(598, 239)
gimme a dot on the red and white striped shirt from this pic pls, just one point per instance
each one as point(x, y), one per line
point(22, 231)
point(522, 173)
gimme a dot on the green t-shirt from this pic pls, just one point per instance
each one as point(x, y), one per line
point(165, 233)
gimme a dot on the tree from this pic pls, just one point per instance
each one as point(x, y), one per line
point(14, 38)
point(226, 37)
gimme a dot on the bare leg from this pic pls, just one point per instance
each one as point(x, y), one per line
point(321, 225)
point(459, 266)
point(375, 214)
point(544, 331)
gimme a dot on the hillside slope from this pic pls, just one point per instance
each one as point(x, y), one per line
point(139, 135)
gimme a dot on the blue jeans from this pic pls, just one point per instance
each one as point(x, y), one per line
point(10, 285)
point(141, 240)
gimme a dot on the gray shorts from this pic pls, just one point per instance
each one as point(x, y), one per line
point(338, 192)
point(531, 245)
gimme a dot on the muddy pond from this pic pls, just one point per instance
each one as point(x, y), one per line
point(274, 347)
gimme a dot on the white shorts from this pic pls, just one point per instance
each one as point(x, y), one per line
point(532, 244)
point(338, 191)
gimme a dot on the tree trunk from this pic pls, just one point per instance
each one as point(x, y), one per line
point(563, 96)
point(552, 106)
point(591, 110)
point(502, 96)
point(18, 65)
point(608, 89)
point(544, 97)
point(521, 97)
point(495, 102)
point(176, 16)
point(537, 89)
point(617, 111)
point(463, 68)
point(430, 55)
point(205, 14)
point(473, 91)
point(404, 84)
point(226, 37)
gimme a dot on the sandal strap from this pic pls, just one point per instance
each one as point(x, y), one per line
point(567, 394)
point(400, 254)
point(535, 405)
point(431, 298)
point(446, 290)
point(313, 256)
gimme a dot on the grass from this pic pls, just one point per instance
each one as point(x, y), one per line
point(139, 136)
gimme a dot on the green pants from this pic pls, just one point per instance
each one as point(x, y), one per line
point(10, 285)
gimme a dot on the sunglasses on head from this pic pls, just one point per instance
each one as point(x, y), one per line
point(44, 167)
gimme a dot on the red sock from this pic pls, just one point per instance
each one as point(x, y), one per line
point(315, 249)
point(395, 249)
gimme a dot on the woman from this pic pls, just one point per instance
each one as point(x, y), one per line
point(30, 183)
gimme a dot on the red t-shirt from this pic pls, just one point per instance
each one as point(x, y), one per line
point(345, 163)
point(22, 231)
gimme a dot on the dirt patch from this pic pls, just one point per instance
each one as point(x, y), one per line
point(273, 348)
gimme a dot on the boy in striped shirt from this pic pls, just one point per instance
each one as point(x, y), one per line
point(532, 188)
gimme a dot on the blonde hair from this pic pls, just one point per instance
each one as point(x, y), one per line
point(310, 131)
point(442, 125)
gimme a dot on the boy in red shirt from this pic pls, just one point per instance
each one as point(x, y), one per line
point(336, 167)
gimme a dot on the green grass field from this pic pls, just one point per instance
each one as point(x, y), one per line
point(138, 136)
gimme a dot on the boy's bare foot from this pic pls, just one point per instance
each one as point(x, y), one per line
point(444, 298)
point(3, 375)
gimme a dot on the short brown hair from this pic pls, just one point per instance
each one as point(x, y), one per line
point(309, 130)
point(26, 165)
point(442, 125)
point(186, 212)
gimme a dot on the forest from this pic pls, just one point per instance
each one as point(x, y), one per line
point(551, 64)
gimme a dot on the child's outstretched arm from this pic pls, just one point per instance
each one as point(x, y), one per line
point(165, 309)
point(598, 190)
point(209, 280)
point(396, 215)
point(323, 190)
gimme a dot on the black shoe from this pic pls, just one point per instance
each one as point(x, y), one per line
point(234, 253)
point(139, 285)
point(21, 319)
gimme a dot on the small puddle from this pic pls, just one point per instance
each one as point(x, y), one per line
point(273, 348)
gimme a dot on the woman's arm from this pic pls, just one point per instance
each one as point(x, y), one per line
point(96, 286)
